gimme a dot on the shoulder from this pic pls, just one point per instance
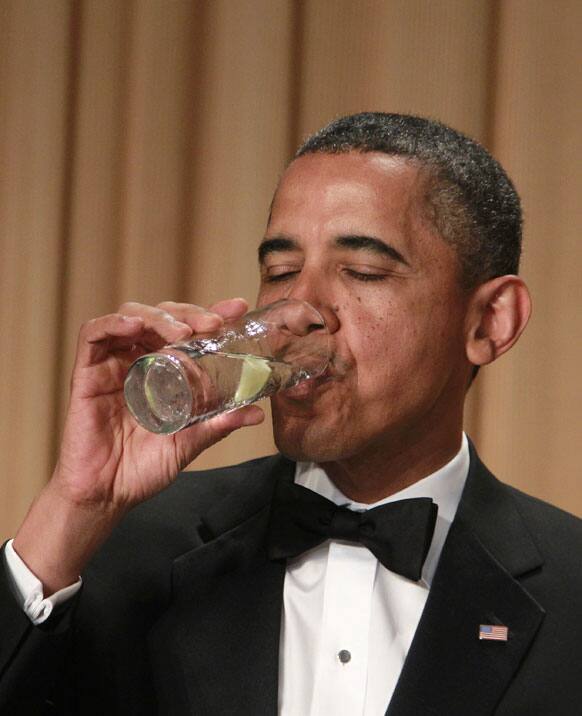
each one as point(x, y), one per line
point(487, 496)
point(555, 531)
point(526, 534)
point(521, 531)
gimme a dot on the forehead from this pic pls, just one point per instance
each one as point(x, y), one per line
point(325, 195)
point(350, 176)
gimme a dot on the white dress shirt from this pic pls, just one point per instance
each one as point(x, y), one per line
point(348, 622)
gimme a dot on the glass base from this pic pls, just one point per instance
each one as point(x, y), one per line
point(158, 394)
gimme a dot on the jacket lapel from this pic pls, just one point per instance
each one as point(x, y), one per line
point(216, 648)
point(449, 670)
point(217, 645)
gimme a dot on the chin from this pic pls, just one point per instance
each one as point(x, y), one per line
point(306, 440)
point(312, 428)
point(306, 451)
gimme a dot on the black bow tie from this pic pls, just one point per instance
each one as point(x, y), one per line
point(398, 534)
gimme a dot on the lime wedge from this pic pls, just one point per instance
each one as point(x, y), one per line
point(254, 375)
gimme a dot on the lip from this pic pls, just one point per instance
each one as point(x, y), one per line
point(308, 388)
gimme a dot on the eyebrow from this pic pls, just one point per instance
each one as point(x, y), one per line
point(371, 244)
point(351, 242)
point(277, 243)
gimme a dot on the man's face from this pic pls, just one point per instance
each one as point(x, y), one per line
point(347, 233)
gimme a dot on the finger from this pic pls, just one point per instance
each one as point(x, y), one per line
point(243, 417)
point(200, 436)
point(112, 325)
point(230, 308)
point(98, 336)
point(110, 329)
point(222, 425)
point(199, 319)
point(158, 323)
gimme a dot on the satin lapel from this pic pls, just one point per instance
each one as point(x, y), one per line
point(449, 671)
point(218, 644)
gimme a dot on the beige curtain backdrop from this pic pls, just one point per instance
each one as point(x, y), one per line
point(140, 141)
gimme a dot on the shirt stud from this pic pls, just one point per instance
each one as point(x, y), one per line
point(344, 656)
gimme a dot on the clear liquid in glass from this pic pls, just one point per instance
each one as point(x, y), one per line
point(166, 394)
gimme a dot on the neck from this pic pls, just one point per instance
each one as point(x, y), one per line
point(383, 471)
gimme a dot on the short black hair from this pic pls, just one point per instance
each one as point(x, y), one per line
point(472, 202)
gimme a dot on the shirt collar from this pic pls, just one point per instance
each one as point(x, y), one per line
point(444, 486)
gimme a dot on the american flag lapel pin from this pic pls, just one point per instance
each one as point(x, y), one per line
point(493, 632)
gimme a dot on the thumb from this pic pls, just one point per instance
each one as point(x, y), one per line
point(201, 436)
point(243, 417)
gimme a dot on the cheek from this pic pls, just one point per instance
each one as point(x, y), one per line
point(372, 338)
point(375, 327)
point(390, 344)
point(368, 317)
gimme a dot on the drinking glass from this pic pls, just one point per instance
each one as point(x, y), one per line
point(267, 350)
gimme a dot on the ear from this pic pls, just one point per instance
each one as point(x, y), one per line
point(497, 314)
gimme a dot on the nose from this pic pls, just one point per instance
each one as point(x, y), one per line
point(329, 316)
point(314, 291)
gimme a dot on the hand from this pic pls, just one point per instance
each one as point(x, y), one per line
point(106, 458)
point(107, 462)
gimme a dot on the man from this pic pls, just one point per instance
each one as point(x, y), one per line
point(406, 236)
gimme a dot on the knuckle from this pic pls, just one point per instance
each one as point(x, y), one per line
point(169, 311)
point(91, 325)
point(129, 306)
point(182, 308)
point(168, 305)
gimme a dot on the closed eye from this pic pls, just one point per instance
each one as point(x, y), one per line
point(365, 275)
point(281, 275)
point(279, 278)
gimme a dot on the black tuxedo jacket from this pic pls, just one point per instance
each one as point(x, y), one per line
point(180, 612)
